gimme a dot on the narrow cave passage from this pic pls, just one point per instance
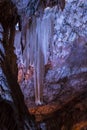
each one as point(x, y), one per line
point(43, 65)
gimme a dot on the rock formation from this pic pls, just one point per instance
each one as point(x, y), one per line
point(51, 49)
point(31, 28)
point(65, 78)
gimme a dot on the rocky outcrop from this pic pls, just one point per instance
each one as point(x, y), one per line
point(32, 30)
point(69, 116)
point(13, 111)
point(14, 114)
point(60, 48)
point(66, 51)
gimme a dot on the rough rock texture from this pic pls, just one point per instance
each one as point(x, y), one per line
point(13, 111)
point(69, 25)
point(65, 82)
point(14, 114)
point(67, 51)
point(35, 49)
point(70, 116)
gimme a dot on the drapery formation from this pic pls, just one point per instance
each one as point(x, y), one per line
point(11, 98)
point(36, 38)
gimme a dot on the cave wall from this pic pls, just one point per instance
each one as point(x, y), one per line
point(68, 25)
point(64, 32)
point(11, 97)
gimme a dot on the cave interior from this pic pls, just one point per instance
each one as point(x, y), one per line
point(43, 65)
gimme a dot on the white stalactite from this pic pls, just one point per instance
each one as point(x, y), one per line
point(47, 33)
point(17, 44)
point(40, 63)
point(38, 38)
point(44, 30)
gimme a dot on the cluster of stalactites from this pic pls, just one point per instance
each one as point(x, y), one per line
point(34, 43)
point(30, 7)
point(18, 8)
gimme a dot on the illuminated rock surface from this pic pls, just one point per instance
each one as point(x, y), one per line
point(65, 78)
point(53, 46)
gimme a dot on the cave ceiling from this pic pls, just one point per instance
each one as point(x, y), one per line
point(11, 9)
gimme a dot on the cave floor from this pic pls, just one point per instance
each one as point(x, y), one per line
point(69, 112)
point(72, 114)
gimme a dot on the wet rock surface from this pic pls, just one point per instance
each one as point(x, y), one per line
point(71, 116)
point(65, 82)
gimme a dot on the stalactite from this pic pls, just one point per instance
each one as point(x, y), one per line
point(35, 70)
point(24, 22)
point(47, 35)
point(18, 49)
point(40, 38)
point(32, 39)
point(40, 62)
point(43, 34)
point(27, 46)
point(37, 52)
